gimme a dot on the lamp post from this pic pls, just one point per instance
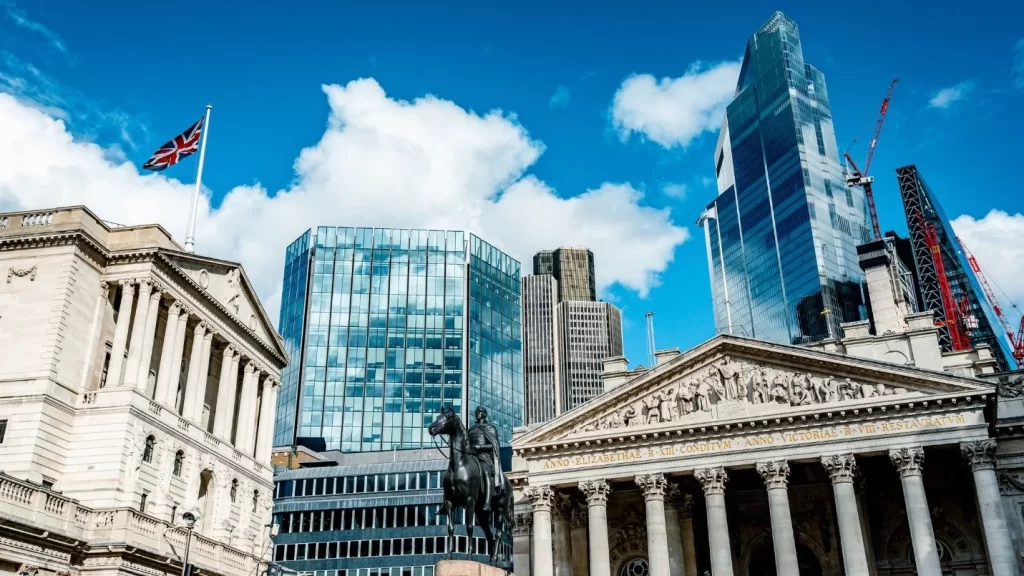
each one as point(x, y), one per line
point(190, 523)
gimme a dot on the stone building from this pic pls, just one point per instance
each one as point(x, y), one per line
point(743, 457)
point(137, 383)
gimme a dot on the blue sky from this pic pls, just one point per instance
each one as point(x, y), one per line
point(128, 76)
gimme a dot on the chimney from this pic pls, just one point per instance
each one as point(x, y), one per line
point(615, 372)
point(888, 301)
point(662, 356)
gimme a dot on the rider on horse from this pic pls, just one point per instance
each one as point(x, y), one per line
point(483, 439)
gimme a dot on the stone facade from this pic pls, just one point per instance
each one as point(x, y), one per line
point(138, 383)
point(748, 458)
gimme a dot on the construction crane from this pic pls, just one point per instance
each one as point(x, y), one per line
point(650, 338)
point(956, 313)
point(1016, 338)
point(860, 177)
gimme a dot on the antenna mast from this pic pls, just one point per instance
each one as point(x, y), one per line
point(650, 339)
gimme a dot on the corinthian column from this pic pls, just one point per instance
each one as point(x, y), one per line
point(265, 434)
point(578, 538)
point(654, 487)
point(246, 406)
point(174, 370)
point(841, 468)
point(981, 456)
point(909, 462)
point(596, 492)
point(776, 480)
point(124, 316)
point(163, 378)
point(713, 481)
point(131, 367)
point(560, 527)
point(542, 497)
point(673, 502)
point(225, 393)
point(204, 376)
point(149, 337)
point(195, 363)
point(686, 531)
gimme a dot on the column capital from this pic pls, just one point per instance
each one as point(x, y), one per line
point(210, 332)
point(980, 454)
point(250, 367)
point(840, 467)
point(200, 328)
point(522, 524)
point(577, 518)
point(175, 308)
point(909, 461)
point(596, 492)
point(229, 350)
point(653, 485)
point(712, 479)
point(542, 497)
point(145, 283)
point(158, 288)
point(686, 508)
point(128, 283)
point(563, 503)
point(673, 496)
point(104, 289)
point(775, 474)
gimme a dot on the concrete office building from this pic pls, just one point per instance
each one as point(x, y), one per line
point(138, 383)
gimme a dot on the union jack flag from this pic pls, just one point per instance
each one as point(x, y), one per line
point(174, 150)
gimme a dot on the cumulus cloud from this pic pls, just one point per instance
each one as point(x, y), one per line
point(675, 111)
point(995, 242)
point(560, 99)
point(381, 162)
point(946, 97)
point(675, 190)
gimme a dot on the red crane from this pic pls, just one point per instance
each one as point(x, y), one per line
point(861, 178)
point(1016, 339)
point(956, 314)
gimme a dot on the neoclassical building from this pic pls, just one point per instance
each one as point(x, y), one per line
point(137, 383)
point(742, 457)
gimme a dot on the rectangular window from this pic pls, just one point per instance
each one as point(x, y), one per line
point(3, 430)
point(142, 501)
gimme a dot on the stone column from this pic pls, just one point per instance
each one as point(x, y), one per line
point(542, 497)
point(245, 405)
point(909, 462)
point(713, 481)
point(204, 376)
point(163, 377)
point(265, 434)
point(174, 370)
point(596, 492)
point(686, 532)
point(776, 480)
point(95, 327)
point(981, 456)
point(841, 468)
point(521, 556)
point(578, 540)
point(560, 528)
point(131, 366)
point(654, 487)
point(673, 531)
point(124, 316)
point(224, 414)
point(195, 362)
point(149, 337)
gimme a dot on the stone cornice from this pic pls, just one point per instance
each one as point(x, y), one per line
point(831, 414)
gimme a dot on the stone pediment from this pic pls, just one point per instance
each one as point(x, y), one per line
point(729, 379)
point(227, 283)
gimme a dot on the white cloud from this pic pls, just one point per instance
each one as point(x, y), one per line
point(946, 97)
point(380, 162)
point(675, 111)
point(995, 241)
point(19, 17)
point(560, 99)
point(675, 190)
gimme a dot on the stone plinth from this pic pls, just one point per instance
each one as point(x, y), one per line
point(466, 568)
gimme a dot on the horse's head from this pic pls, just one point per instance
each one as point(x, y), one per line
point(447, 422)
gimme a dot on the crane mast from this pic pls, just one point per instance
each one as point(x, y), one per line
point(860, 178)
point(1016, 338)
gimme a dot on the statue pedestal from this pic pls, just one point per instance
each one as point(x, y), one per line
point(466, 568)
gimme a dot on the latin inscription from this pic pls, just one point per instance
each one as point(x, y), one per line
point(823, 434)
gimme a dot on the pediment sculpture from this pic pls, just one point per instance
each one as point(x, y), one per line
point(732, 387)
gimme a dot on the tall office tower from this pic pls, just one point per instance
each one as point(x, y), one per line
point(384, 326)
point(782, 234)
point(567, 333)
point(574, 270)
point(540, 355)
point(588, 332)
point(923, 210)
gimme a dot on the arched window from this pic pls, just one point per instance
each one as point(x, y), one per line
point(255, 499)
point(179, 461)
point(234, 490)
point(147, 453)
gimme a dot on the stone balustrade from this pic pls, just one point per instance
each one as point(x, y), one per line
point(21, 502)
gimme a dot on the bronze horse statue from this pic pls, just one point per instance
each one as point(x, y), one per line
point(464, 487)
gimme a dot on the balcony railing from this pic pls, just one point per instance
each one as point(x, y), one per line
point(41, 508)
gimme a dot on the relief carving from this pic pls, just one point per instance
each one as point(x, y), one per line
point(728, 387)
point(1009, 389)
point(232, 290)
point(204, 279)
point(21, 273)
point(1011, 483)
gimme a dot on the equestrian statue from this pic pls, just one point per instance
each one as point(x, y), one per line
point(474, 480)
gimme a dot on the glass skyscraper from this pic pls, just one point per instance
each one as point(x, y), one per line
point(384, 326)
point(782, 234)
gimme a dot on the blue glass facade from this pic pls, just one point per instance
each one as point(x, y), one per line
point(383, 341)
point(782, 235)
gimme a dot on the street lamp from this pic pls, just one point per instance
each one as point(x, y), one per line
point(190, 520)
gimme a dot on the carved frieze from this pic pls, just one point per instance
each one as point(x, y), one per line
point(13, 272)
point(1010, 483)
point(729, 388)
point(232, 290)
point(522, 524)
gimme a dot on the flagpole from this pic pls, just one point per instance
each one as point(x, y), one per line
point(190, 234)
